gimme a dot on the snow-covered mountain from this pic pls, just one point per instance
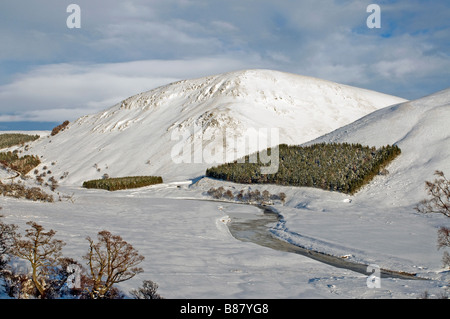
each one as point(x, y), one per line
point(142, 134)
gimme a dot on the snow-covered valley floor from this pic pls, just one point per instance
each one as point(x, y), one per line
point(190, 252)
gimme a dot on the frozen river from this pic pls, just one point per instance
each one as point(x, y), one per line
point(257, 229)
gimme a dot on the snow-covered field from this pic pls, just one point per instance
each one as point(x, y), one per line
point(189, 250)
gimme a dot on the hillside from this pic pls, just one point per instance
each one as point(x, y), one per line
point(138, 135)
point(420, 128)
point(379, 224)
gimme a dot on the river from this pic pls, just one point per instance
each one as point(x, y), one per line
point(256, 228)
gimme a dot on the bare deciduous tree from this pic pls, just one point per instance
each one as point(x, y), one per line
point(41, 251)
point(439, 191)
point(111, 260)
point(7, 235)
point(147, 291)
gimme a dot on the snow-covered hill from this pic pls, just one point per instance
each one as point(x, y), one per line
point(420, 128)
point(139, 135)
point(379, 224)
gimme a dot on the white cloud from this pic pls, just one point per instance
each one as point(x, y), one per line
point(224, 26)
point(67, 91)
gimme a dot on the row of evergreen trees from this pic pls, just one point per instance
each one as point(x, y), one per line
point(117, 183)
point(11, 139)
point(341, 167)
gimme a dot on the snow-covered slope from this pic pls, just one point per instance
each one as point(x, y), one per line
point(420, 128)
point(138, 136)
point(379, 224)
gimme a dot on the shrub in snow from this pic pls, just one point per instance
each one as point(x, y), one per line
point(59, 128)
point(17, 190)
point(255, 196)
point(147, 291)
point(22, 164)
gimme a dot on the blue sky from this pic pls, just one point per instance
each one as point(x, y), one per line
point(50, 73)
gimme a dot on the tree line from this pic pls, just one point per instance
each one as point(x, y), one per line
point(117, 183)
point(341, 167)
point(11, 139)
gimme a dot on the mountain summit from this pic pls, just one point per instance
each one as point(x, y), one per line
point(138, 135)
